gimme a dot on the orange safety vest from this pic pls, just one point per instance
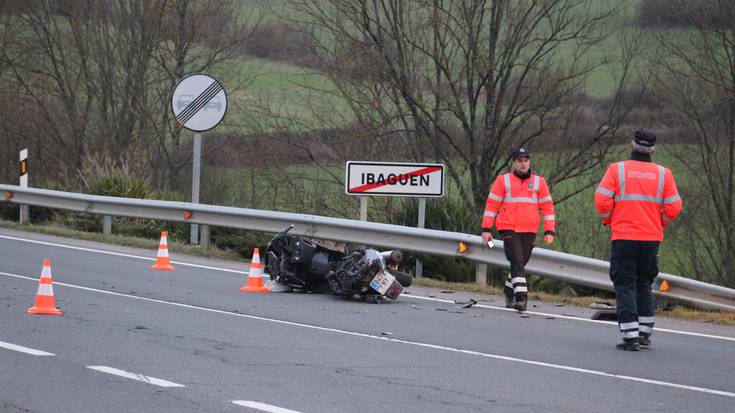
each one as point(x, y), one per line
point(637, 199)
point(516, 204)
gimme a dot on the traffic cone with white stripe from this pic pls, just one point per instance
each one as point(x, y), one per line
point(162, 262)
point(45, 302)
point(255, 276)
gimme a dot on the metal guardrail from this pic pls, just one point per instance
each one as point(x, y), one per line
point(553, 264)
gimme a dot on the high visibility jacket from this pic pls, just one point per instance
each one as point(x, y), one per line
point(637, 199)
point(515, 203)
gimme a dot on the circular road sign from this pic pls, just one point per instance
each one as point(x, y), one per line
point(199, 102)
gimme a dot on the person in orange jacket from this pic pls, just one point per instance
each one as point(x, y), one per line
point(513, 207)
point(637, 199)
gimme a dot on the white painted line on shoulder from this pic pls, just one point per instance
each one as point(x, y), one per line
point(118, 254)
point(262, 406)
point(395, 340)
point(26, 350)
point(135, 376)
point(567, 317)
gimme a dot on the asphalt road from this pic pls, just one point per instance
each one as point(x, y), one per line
point(134, 339)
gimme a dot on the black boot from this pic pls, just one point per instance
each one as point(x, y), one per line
point(628, 345)
point(509, 301)
point(520, 303)
point(644, 341)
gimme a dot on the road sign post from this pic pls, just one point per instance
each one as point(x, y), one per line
point(363, 208)
point(196, 172)
point(24, 210)
point(422, 221)
point(395, 179)
point(199, 103)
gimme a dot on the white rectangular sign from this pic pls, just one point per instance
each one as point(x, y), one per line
point(398, 179)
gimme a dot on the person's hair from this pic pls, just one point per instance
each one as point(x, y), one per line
point(638, 148)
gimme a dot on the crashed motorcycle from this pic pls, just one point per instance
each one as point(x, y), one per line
point(303, 265)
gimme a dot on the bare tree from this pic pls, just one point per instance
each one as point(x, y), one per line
point(462, 81)
point(97, 75)
point(695, 77)
point(200, 36)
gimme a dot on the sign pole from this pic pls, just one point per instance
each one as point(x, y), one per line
point(199, 103)
point(422, 221)
point(363, 208)
point(24, 212)
point(195, 175)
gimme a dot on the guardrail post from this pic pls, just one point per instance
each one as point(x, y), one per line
point(481, 274)
point(107, 225)
point(204, 242)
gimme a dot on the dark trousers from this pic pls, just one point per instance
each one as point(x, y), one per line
point(633, 266)
point(518, 247)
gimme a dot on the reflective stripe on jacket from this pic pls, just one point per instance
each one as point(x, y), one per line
point(637, 199)
point(515, 203)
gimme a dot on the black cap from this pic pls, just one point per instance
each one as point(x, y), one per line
point(520, 152)
point(644, 137)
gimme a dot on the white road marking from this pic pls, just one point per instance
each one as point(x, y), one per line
point(569, 317)
point(395, 340)
point(26, 350)
point(658, 329)
point(118, 254)
point(135, 376)
point(262, 406)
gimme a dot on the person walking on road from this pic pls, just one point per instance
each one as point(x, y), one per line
point(513, 207)
point(637, 199)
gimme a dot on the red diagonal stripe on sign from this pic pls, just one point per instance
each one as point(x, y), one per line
point(418, 172)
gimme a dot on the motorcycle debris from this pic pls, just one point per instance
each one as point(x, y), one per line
point(447, 291)
point(280, 288)
point(386, 333)
point(465, 304)
point(602, 306)
point(415, 307)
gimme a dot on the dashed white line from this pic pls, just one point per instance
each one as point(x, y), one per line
point(135, 376)
point(262, 406)
point(395, 340)
point(26, 350)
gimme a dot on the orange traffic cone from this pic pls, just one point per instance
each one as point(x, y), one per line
point(45, 302)
point(162, 262)
point(255, 276)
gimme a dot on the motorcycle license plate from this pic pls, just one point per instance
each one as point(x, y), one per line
point(382, 282)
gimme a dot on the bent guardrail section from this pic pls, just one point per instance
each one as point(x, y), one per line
point(566, 267)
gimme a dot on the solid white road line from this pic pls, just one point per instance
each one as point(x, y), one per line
point(569, 317)
point(26, 350)
point(262, 406)
point(118, 254)
point(135, 376)
point(395, 340)
point(658, 329)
